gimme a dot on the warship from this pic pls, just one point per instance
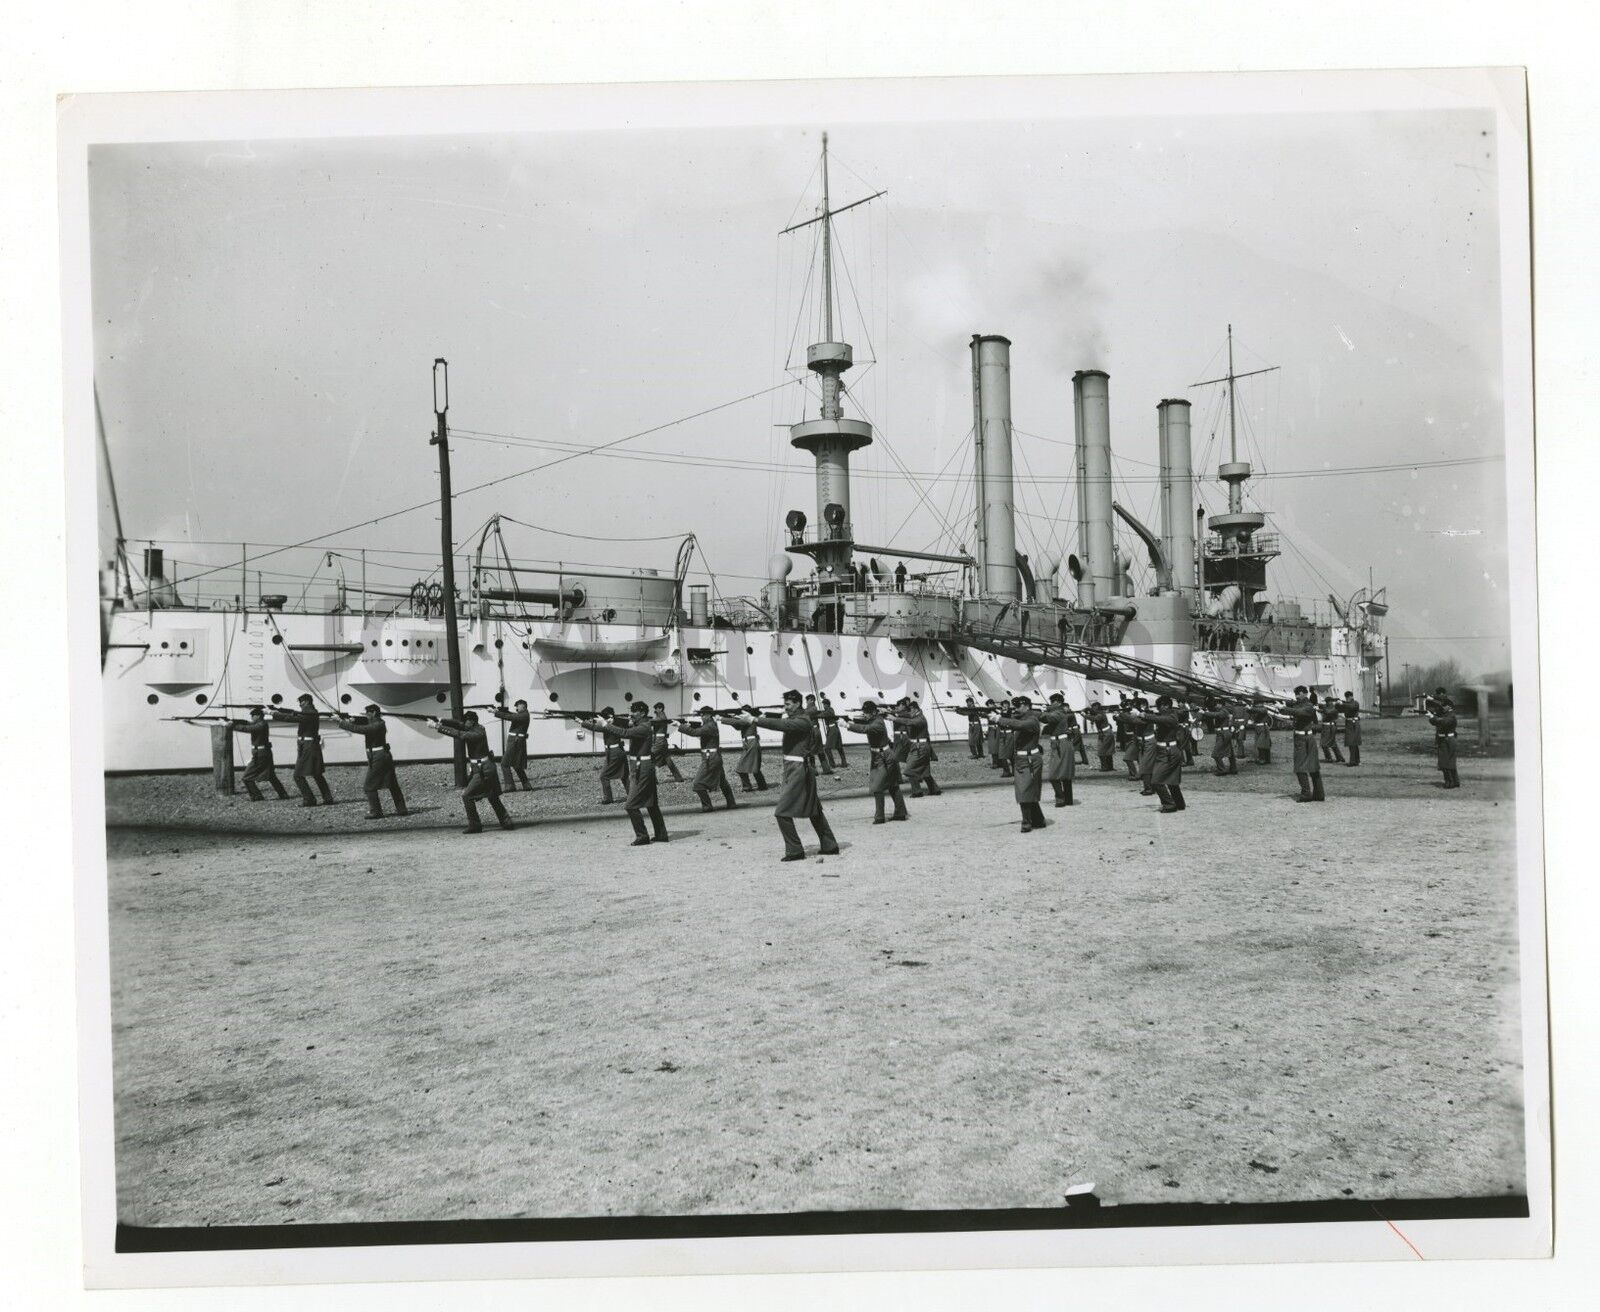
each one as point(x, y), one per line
point(936, 626)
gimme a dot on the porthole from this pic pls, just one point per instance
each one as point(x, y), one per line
point(749, 651)
point(439, 697)
point(791, 649)
point(200, 699)
point(405, 642)
point(497, 642)
point(344, 699)
point(829, 651)
point(388, 642)
point(524, 646)
point(183, 646)
point(430, 642)
point(276, 698)
point(627, 696)
point(554, 697)
point(277, 639)
point(164, 646)
point(152, 699)
point(697, 696)
point(374, 642)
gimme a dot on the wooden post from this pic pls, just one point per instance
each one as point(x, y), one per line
point(222, 757)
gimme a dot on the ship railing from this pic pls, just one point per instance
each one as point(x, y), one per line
point(1261, 544)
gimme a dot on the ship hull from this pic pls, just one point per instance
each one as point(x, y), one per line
point(171, 663)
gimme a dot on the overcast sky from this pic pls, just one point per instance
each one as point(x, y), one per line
point(267, 313)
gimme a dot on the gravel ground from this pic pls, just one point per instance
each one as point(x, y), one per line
point(1250, 1001)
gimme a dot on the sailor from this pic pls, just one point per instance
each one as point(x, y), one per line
point(819, 751)
point(1105, 743)
point(900, 577)
point(973, 715)
point(1261, 724)
point(1128, 732)
point(515, 759)
point(1350, 708)
point(1148, 751)
point(833, 739)
point(750, 747)
point(638, 738)
point(1056, 723)
point(261, 767)
point(1219, 721)
point(991, 732)
point(884, 780)
point(1023, 725)
point(1442, 716)
point(797, 795)
point(380, 760)
point(1302, 718)
point(1329, 730)
point(710, 775)
point(616, 767)
point(308, 763)
point(482, 781)
point(1166, 776)
point(1186, 731)
point(911, 725)
point(1008, 738)
point(1075, 726)
point(660, 747)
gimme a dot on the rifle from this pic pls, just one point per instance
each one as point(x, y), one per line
point(189, 719)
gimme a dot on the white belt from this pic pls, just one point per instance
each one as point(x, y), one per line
point(254, 750)
point(1061, 737)
point(1445, 735)
point(1027, 751)
point(799, 760)
point(514, 734)
point(711, 751)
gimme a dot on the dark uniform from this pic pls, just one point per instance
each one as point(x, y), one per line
point(482, 780)
point(308, 763)
point(638, 738)
point(797, 794)
point(974, 718)
point(1261, 723)
point(1329, 730)
point(710, 774)
point(1056, 725)
point(834, 740)
point(1023, 726)
point(616, 766)
point(991, 734)
point(884, 780)
point(1307, 765)
point(661, 747)
point(1350, 708)
point(1166, 776)
point(1219, 721)
point(749, 751)
point(1148, 752)
point(1105, 741)
point(819, 751)
point(1128, 736)
point(380, 762)
point(911, 725)
point(1443, 719)
point(514, 761)
point(261, 765)
point(1186, 738)
point(1008, 740)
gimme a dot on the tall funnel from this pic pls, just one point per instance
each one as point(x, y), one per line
point(1177, 494)
point(997, 526)
point(1091, 404)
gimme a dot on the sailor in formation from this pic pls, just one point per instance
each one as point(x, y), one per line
point(1148, 752)
point(912, 725)
point(660, 745)
point(833, 740)
point(974, 718)
point(1350, 708)
point(1261, 725)
point(1167, 732)
point(749, 765)
point(708, 735)
point(514, 761)
point(797, 794)
point(374, 730)
point(1028, 767)
point(261, 767)
point(1442, 716)
point(615, 768)
point(1128, 733)
point(991, 733)
point(1303, 721)
point(1056, 725)
point(1105, 737)
point(1218, 720)
point(309, 766)
point(638, 739)
point(1186, 727)
point(884, 781)
point(819, 750)
point(482, 780)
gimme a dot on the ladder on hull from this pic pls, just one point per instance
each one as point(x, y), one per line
point(1103, 664)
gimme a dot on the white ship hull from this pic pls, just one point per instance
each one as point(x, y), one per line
point(167, 663)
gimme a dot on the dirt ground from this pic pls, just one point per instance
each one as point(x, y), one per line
point(1252, 1000)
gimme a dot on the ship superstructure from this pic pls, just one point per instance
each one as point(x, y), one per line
point(984, 624)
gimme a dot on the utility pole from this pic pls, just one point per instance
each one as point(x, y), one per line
point(441, 439)
point(1405, 673)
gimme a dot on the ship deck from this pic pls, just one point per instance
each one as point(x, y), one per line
point(1250, 1001)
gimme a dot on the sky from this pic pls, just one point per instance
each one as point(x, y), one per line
point(267, 314)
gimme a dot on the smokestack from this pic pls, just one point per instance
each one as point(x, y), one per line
point(997, 526)
point(1091, 404)
point(1177, 494)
